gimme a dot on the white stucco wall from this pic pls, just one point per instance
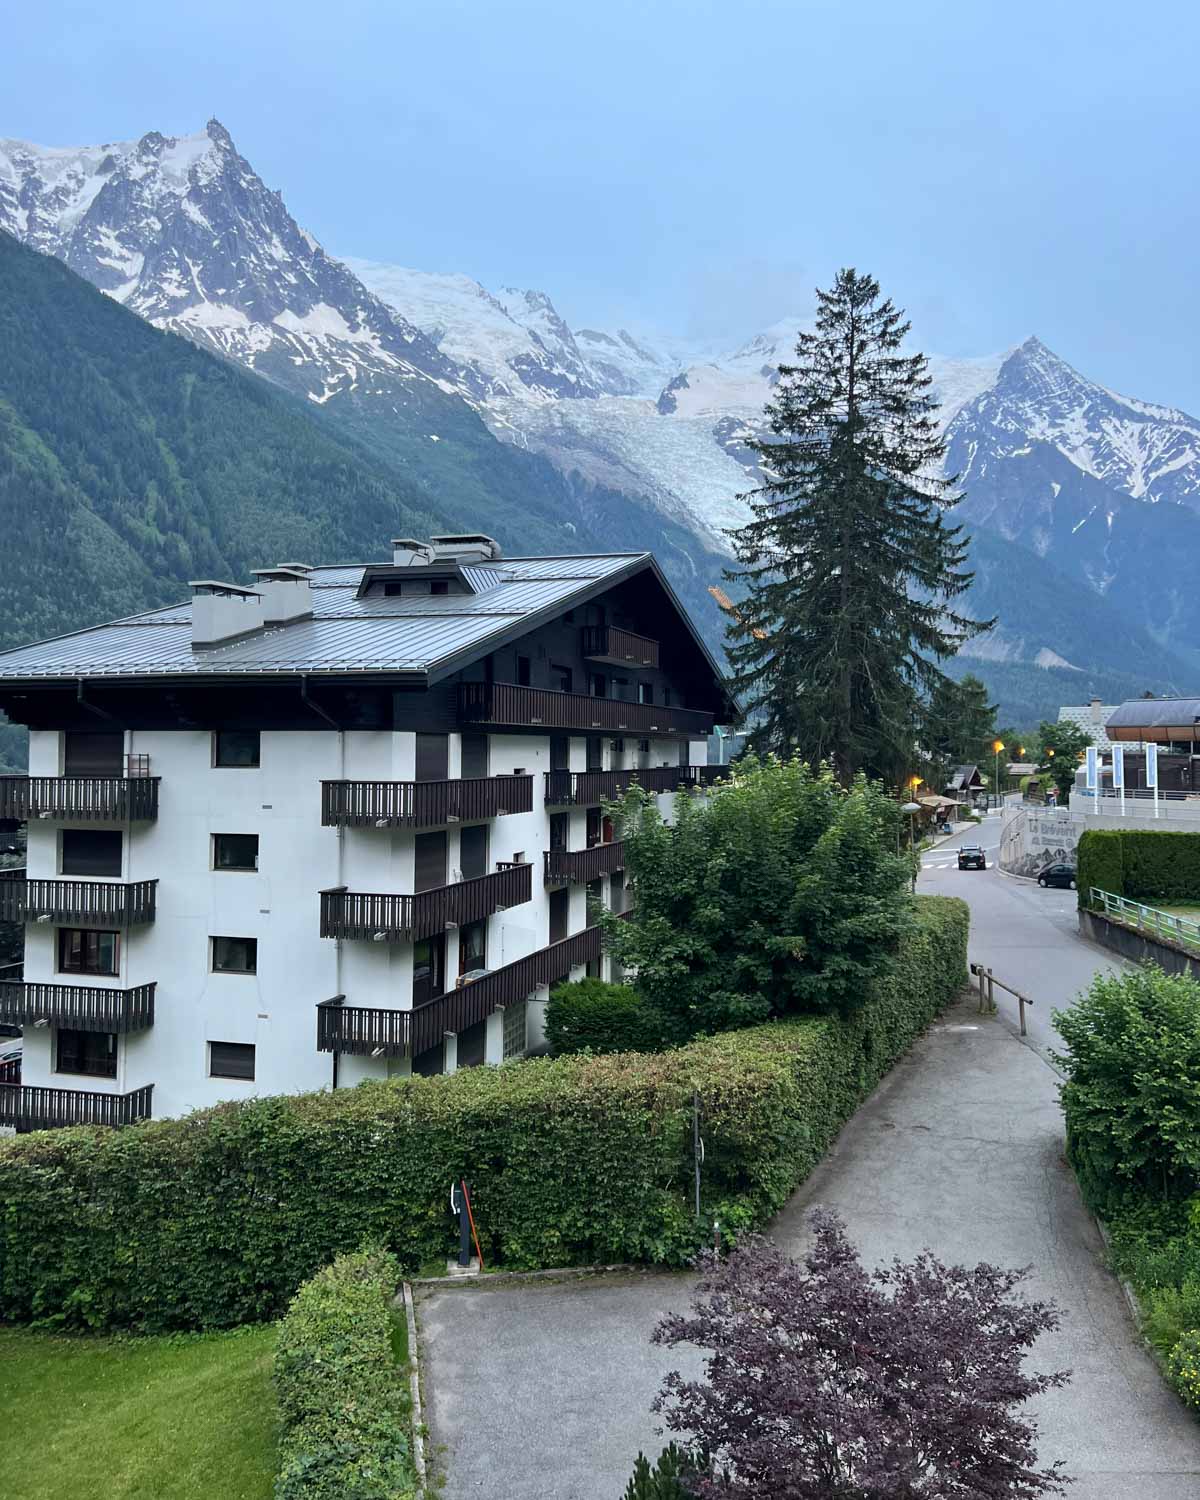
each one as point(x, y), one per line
point(280, 801)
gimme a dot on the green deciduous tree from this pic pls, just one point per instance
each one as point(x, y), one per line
point(780, 892)
point(850, 567)
point(1061, 748)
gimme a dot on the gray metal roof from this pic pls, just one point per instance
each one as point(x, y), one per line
point(1149, 713)
point(345, 634)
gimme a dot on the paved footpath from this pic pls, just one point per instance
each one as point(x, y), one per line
point(541, 1391)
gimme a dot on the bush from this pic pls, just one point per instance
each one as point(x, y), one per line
point(665, 1481)
point(216, 1219)
point(780, 893)
point(1143, 864)
point(593, 1016)
point(1130, 1100)
point(342, 1399)
point(1183, 1367)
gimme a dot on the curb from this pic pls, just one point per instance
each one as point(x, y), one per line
point(414, 1388)
point(556, 1273)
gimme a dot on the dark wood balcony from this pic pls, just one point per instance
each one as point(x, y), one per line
point(80, 799)
point(423, 804)
point(508, 705)
point(82, 903)
point(367, 1031)
point(578, 866)
point(619, 647)
point(83, 1007)
point(402, 919)
point(589, 788)
point(32, 1107)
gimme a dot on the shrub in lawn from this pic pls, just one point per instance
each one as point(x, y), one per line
point(343, 1402)
point(917, 1369)
point(216, 1219)
point(1131, 1103)
point(593, 1016)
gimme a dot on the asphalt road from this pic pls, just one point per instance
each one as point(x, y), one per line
point(1027, 936)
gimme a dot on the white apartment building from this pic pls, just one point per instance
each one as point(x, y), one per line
point(343, 824)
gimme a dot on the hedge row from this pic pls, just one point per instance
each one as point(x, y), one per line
point(1143, 864)
point(217, 1218)
point(343, 1402)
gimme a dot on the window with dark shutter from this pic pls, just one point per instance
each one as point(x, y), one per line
point(474, 755)
point(473, 851)
point(560, 827)
point(560, 914)
point(560, 752)
point(433, 757)
point(430, 861)
point(524, 671)
point(231, 1060)
point(87, 753)
point(91, 851)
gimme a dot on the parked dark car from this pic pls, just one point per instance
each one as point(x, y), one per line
point(1062, 876)
point(971, 857)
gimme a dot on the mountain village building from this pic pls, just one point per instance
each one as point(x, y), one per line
point(344, 824)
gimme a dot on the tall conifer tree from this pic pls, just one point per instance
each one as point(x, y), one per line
point(850, 566)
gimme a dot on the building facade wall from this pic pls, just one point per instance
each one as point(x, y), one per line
point(278, 905)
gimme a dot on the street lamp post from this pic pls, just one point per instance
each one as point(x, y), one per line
point(997, 746)
point(912, 809)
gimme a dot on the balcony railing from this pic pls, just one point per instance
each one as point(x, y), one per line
point(505, 703)
point(587, 788)
point(401, 918)
point(86, 903)
point(83, 1007)
point(83, 799)
point(621, 647)
point(422, 804)
point(33, 1107)
point(364, 1030)
point(578, 866)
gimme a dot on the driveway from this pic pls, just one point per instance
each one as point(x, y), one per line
point(541, 1391)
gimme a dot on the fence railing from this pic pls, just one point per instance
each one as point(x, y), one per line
point(508, 703)
point(1138, 802)
point(83, 1007)
point(422, 804)
point(366, 1031)
point(578, 866)
point(588, 788)
point(96, 799)
point(609, 643)
point(1149, 919)
point(90, 903)
point(403, 918)
point(34, 1107)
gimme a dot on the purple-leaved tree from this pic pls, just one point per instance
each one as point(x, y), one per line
point(826, 1381)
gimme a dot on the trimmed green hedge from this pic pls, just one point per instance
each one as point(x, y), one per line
point(1141, 863)
point(217, 1218)
point(593, 1016)
point(343, 1403)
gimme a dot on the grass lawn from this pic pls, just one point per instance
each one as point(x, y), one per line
point(184, 1418)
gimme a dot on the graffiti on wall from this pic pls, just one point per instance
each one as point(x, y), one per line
point(1029, 841)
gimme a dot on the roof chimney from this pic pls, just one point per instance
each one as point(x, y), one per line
point(409, 553)
point(222, 611)
point(286, 593)
point(472, 547)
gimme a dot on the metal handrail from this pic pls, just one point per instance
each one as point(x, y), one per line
point(1146, 918)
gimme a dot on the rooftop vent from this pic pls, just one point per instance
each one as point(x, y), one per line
point(286, 593)
point(408, 553)
point(470, 548)
point(221, 611)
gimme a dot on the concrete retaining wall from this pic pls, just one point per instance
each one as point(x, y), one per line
point(1032, 838)
point(1137, 946)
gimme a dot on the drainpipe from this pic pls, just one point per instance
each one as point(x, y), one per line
point(91, 707)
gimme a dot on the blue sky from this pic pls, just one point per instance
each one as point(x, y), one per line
point(1003, 169)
